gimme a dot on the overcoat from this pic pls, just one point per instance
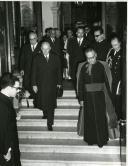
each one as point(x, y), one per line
point(8, 129)
point(46, 76)
point(26, 63)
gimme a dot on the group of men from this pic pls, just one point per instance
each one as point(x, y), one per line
point(70, 49)
point(41, 65)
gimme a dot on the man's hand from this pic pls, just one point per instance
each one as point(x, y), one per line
point(7, 157)
point(81, 103)
point(35, 89)
point(59, 86)
point(22, 72)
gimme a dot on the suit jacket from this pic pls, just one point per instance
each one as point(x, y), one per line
point(56, 46)
point(76, 54)
point(8, 128)
point(75, 51)
point(89, 39)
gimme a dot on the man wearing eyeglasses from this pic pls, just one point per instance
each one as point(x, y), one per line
point(28, 52)
point(101, 46)
point(9, 143)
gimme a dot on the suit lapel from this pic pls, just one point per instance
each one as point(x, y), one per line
point(82, 44)
point(30, 49)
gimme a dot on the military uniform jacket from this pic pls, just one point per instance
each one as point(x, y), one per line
point(114, 60)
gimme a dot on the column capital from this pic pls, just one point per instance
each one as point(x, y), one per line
point(54, 9)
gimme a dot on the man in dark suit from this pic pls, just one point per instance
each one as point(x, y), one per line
point(27, 53)
point(101, 45)
point(76, 47)
point(46, 76)
point(54, 42)
point(88, 35)
point(56, 46)
point(9, 143)
point(47, 34)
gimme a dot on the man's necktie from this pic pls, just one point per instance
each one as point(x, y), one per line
point(53, 40)
point(47, 58)
point(33, 48)
point(115, 52)
point(79, 42)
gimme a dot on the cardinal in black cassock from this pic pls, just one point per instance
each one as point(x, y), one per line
point(93, 87)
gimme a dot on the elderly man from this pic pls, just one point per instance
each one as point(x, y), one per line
point(94, 94)
point(9, 144)
point(46, 76)
point(27, 53)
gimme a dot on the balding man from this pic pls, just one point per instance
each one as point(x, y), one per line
point(56, 45)
point(46, 76)
point(27, 53)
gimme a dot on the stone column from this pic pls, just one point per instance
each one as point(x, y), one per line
point(55, 12)
point(104, 17)
point(112, 15)
point(26, 8)
point(50, 14)
point(10, 35)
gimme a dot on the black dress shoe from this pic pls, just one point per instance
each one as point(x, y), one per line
point(44, 117)
point(50, 128)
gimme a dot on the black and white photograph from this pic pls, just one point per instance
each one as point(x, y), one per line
point(63, 83)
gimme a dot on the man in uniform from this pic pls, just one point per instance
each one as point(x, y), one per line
point(114, 59)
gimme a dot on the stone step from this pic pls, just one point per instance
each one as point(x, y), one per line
point(44, 128)
point(58, 107)
point(71, 142)
point(43, 122)
point(58, 112)
point(69, 159)
point(48, 135)
point(69, 93)
point(71, 149)
point(60, 102)
point(55, 117)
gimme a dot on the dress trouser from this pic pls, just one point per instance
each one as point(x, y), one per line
point(50, 116)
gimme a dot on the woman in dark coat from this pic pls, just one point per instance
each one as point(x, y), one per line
point(46, 75)
point(92, 81)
